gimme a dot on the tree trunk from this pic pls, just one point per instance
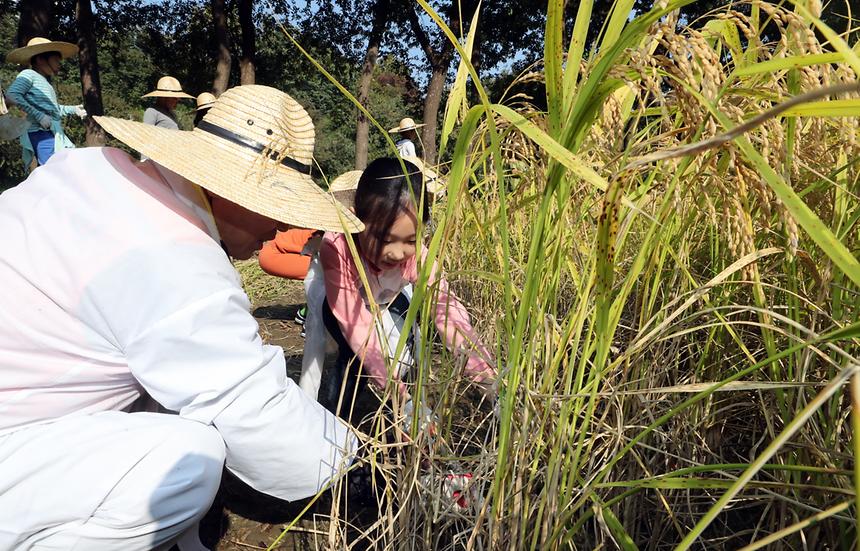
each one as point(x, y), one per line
point(432, 101)
point(91, 87)
point(362, 127)
point(439, 57)
point(222, 45)
point(37, 19)
point(247, 70)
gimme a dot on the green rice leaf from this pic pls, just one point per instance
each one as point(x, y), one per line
point(553, 64)
point(622, 538)
point(786, 63)
point(457, 104)
point(832, 108)
point(621, 11)
point(575, 50)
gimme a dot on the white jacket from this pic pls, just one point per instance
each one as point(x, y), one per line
point(112, 280)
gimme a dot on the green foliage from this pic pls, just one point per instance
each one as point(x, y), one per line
point(139, 42)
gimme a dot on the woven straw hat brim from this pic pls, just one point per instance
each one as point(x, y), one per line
point(343, 187)
point(12, 127)
point(399, 129)
point(346, 181)
point(237, 174)
point(22, 56)
point(205, 106)
point(435, 183)
point(167, 94)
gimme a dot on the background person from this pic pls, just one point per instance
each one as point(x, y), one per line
point(167, 94)
point(408, 137)
point(205, 101)
point(34, 94)
point(139, 295)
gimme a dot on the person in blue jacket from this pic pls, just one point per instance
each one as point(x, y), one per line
point(34, 94)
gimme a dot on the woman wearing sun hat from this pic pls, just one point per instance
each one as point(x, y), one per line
point(140, 295)
point(167, 94)
point(408, 136)
point(205, 101)
point(34, 94)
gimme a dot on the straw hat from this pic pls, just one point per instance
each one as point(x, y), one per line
point(205, 101)
point(343, 187)
point(254, 147)
point(167, 87)
point(434, 183)
point(405, 124)
point(39, 45)
point(12, 127)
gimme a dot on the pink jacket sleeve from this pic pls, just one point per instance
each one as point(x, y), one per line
point(342, 290)
point(452, 321)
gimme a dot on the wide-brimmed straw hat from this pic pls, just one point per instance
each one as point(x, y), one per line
point(167, 87)
point(343, 187)
point(12, 127)
point(405, 125)
point(205, 101)
point(433, 182)
point(254, 147)
point(39, 45)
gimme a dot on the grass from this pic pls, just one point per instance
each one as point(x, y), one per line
point(261, 287)
point(677, 337)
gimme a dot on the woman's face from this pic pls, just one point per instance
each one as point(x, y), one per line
point(169, 103)
point(48, 65)
point(397, 246)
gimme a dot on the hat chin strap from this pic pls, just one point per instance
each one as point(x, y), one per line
point(248, 143)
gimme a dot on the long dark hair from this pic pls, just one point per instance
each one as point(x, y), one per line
point(385, 192)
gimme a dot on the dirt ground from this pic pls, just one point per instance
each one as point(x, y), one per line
point(241, 518)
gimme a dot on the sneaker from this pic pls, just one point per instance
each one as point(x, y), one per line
point(300, 316)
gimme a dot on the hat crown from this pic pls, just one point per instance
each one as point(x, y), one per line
point(205, 98)
point(36, 41)
point(268, 117)
point(406, 122)
point(169, 83)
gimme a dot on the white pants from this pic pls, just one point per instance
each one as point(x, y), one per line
point(112, 480)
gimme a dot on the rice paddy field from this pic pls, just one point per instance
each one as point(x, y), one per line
point(665, 264)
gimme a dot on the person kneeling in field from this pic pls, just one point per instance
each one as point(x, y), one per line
point(385, 201)
point(113, 281)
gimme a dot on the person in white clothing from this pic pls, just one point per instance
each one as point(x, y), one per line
point(114, 281)
point(408, 136)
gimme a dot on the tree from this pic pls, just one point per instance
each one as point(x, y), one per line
point(91, 87)
point(439, 51)
point(381, 10)
point(37, 19)
point(224, 60)
point(246, 62)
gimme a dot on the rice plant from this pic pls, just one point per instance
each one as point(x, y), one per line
point(666, 263)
